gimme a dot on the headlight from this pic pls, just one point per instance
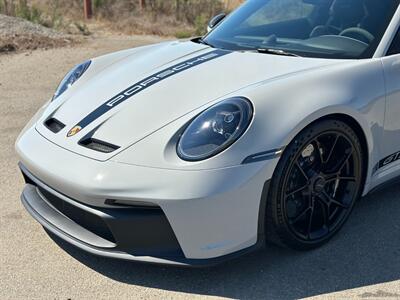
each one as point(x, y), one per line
point(71, 78)
point(215, 129)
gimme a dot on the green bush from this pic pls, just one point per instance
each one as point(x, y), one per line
point(33, 14)
point(55, 18)
point(83, 29)
point(21, 9)
point(98, 3)
point(182, 10)
point(183, 34)
point(201, 24)
point(52, 18)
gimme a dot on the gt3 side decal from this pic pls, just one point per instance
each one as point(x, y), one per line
point(387, 161)
point(144, 84)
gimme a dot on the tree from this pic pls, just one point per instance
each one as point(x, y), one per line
point(142, 4)
point(88, 8)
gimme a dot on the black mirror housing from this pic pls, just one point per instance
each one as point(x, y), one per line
point(215, 21)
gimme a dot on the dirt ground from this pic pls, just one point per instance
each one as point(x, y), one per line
point(362, 262)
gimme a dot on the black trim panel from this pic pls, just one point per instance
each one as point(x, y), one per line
point(267, 155)
point(87, 220)
point(34, 203)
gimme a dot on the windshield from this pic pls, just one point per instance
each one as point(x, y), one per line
point(313, 28)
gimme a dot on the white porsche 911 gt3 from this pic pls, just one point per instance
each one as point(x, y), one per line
point(268, 128)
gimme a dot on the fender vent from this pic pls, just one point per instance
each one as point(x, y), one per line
point(54, 125)
point(98, 145)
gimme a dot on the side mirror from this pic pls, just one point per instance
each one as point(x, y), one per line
point(215, 21)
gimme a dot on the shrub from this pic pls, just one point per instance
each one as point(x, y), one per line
point(33, 14)
point(181, 18)
point(21, 9)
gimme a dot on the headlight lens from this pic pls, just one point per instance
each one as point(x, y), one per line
point(215, 129)
point(71, 78)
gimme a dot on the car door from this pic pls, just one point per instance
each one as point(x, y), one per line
point(390, 162)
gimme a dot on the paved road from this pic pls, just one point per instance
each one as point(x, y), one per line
point(363, 262)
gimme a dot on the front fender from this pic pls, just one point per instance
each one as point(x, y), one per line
point(355, 89)
point(283, 107)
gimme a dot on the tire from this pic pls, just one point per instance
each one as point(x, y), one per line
point(315, 186)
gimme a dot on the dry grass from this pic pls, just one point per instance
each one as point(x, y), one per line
point(232, 4)
point(161, 17)
point(180, 18)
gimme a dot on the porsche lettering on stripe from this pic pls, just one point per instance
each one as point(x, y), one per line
point(144, 84)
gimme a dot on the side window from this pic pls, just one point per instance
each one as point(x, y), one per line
point(395, 46)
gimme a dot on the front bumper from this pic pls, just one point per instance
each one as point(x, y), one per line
point(184, 217)
point(141, 234)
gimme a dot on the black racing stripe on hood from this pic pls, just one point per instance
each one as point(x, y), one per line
point(143, 85)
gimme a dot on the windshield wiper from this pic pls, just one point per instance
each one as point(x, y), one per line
point(276, 52)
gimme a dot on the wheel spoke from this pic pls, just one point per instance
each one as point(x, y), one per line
point(300, 216)
point(340, 178)
point(338, 169)
point(325, 212)
point(297, 191)
point(302, 171)
point(319, 147)
point(331, 200)
point(332, 149)
point(346, 160)
point(331, 177)
point(310, 222)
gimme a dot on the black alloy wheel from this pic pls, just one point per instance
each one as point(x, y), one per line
point(315, 186)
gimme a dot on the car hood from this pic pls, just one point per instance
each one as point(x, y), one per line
point(124, 101)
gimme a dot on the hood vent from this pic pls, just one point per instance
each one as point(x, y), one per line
point(98, 145)
point(54, 125)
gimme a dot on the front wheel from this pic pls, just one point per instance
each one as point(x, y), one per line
point(315, 186)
